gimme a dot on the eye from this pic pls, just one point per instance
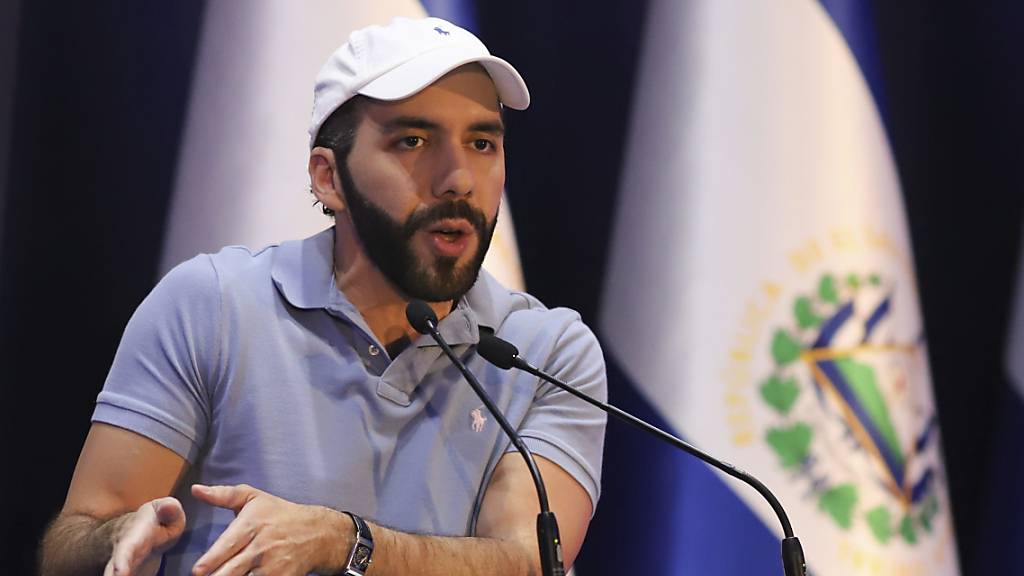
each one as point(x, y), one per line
point(410, 142)
point(483, 145)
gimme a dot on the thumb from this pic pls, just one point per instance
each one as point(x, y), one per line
point(146, 534)
point(169, 512)
point(231, 497)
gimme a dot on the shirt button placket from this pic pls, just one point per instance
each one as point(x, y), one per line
point(373, 360)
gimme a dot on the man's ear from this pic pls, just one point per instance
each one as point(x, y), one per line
point(323, 179)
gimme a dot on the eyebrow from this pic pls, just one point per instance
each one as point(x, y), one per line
point(406, 122)
point(495, 127)
point(399, 123)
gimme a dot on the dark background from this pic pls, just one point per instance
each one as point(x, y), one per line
point(97, 93)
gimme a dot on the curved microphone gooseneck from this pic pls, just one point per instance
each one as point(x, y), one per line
point(505, 355)
point(422, 318)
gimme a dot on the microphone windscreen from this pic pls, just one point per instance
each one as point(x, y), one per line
point(499, 352)
point(420, 316)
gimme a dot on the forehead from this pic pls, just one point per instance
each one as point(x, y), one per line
point(466, 94)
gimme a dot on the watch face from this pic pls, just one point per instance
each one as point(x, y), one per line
point(361, 557)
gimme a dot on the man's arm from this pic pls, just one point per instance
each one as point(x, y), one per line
point(117, 500)
point(268, 533)
point(507, 528)
point(117, 495)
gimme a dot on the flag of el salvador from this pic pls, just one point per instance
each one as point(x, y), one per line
point(761, 301)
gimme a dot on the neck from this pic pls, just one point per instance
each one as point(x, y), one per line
point(380, 303)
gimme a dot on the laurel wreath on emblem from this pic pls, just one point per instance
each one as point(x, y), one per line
point(845, 385)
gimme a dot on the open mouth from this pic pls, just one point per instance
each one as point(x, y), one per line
point(450, 237)
point(451, 229)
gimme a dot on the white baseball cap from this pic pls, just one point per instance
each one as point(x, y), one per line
point(398, 60)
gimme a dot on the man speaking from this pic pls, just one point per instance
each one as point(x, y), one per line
point(273, 412)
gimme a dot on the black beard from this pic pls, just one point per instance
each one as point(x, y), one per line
point(387, 242)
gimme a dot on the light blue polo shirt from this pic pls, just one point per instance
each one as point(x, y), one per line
point(256, 369)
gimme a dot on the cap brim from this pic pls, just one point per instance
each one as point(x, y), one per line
point(414, 75)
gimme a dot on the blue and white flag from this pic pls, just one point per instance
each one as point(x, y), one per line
point(241, 176)
point(761, 293)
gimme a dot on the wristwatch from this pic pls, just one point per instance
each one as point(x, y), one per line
point(359, 559)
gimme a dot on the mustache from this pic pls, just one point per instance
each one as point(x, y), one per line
point(422, 218)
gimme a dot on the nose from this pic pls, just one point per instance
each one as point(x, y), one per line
point(454, 177)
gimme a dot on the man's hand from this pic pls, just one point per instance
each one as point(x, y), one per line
point(142, 536)
point(271, 535)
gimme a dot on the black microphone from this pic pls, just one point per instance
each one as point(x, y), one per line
point(505, 355)
point(422, 318)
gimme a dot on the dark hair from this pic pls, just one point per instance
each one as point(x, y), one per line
point(338, 132)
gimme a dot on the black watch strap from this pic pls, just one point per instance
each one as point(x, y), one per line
point(362, 550)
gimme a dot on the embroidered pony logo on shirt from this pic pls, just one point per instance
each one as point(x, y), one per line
point(478, 420)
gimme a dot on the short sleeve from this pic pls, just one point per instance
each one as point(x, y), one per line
point(561, 427)
point(160, 380)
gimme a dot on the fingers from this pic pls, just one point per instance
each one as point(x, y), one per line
point(242, 564)
point(231, 497)
point(133, 558)
point(237, 536)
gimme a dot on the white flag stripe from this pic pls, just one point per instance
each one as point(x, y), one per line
point(241, 175)
point(503, 257)
point(758, 163)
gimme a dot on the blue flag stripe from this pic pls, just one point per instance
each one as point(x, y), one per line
point(855, 20)
point(459, 12)
point(879, 313)
point(679, 517)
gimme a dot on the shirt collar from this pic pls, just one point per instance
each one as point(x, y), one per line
point(483, 305)
point(303, 271)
